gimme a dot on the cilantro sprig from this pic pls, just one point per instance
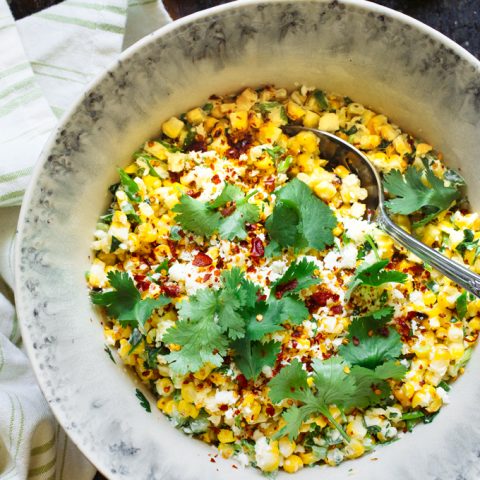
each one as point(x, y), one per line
point(300, 219)
point(374, 275)
point(357, 377)
point(233, 317)
point(204, 218)
point(412, 195)
point(124, 301)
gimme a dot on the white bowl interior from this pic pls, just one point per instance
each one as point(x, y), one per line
point(382, 59)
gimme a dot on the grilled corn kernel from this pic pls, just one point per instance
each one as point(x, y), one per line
point(308, 458)
point(239, 120)
point(311, 119)
point(172, 127)
point(355, 448)
point(204, 372)
point(226, 450)
point(329, 122)
point(456, 350)
point(164, 386)
point(186, 409)
point(295, 111)
point(196, 116)
point(267, 455)
point(189, 392)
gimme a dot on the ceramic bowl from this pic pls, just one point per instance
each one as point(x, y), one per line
point(398, 66)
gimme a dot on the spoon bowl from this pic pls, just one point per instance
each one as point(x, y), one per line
point(340, 152)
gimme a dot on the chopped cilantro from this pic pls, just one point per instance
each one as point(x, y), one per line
point(321, 99)
point(174, 233)
point(284, 165)
point(143, 400)
point(128, 209)
point(207, 108)
point(163, 267)
point(469, 244)
point(454, 177)
point(300, 218)
point(124, 302)
point(169, 146)
point(204, 219)
point(461, 305)
point(109, 353)
point(298, 276)
point(129, 186)
point(374, 275)
point(412, 195)
point(275, 152)
point(115, 244)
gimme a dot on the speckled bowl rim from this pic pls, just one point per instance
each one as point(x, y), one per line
point(98, 457)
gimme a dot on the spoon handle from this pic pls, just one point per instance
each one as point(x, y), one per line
point(460, 274)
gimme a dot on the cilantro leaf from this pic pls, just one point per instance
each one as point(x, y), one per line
point(143, 400)
point(294, 417)
point(374, 275)
point(371, 341)
point(250, 357)
point(290, 382)
point(321, 99)
point(124, 302)
point(204, 219)
point(413, 195)
point(300, 219)
point(298, 276)
point(129, 186)
point(273, 313)
point(461, 305)
point(196, 216)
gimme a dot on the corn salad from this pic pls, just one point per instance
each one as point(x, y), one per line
point(237, 140)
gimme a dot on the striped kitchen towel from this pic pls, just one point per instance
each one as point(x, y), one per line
point(46, 61)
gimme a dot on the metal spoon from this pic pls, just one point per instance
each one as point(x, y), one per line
point(341, 152)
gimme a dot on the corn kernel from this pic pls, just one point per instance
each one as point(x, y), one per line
point(189, 392)
point(186, 409)
point(204, 372)
point(341, 171)
point(292, 464)
point(196, 116)
point(311, 119)
point(226, 436)
point(164, 386)
point(172, 127)
point(355, 448)
point(295, 111)
point(308, 458)
point(423, 148)
point(456, 351)
point(286, 446)
point(239, 120)
point(226, 450)
point(329, 122)
point(474, 324)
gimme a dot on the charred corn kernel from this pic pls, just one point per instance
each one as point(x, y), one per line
point(196, 116)
point(388, 132)
point(423, 148)
point(408, 389)
point(269, 133)
point(342, 171)
point(218, 378)
point(308, 458)
point(286, 446)
point(456, 351)
point(189, 392)
point(239, 120)
point(355, 448)
point(164, 386)
point(172, 127)
point(329, 122)
point(292, 464)
point(305, 162)
point(311, 119)
point(308, 141)
point(227, 107)
point(225, 436)
point(186, 409)
point(161, 402)
point(295, 111)
point(247, 99)
point(376, 122)
point(264, 164)
point(204, 372)
point(226, 450)
point(124, 352)
point(209, 123)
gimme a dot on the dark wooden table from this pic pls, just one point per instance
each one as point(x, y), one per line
point(458, 19)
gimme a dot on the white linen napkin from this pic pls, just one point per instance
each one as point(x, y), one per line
point(46, 61)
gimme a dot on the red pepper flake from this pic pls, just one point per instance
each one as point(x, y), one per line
point(170, 290)
point(238, 146)
point(193, 193)
point(220, 263)
point(172, 245)
point(198, 145)
point(227, 211)
point(257, 249)
point(223, 408)
point(355, 341)
point(206, 278)
point(213, 460)
point(242, 381)
point(323, 295)
point(261, 297)
point(336, 309)
point(216, 179)
point(285, 287)
point(269, 410)
point(202, 260)
point(174, 177)
point(235, 467)
point(269, 184)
